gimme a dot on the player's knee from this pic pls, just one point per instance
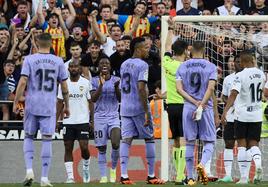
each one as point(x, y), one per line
point(102, 149)
point(115, 145)
point(149, 140)
point(29, 136)
point(127, 140)
point(68, 146)
point(229, 144)
point(46, 137)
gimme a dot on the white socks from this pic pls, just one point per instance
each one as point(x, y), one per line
point(242, 160)
point(86, 164)
point(228, 157)
point(69, 170)
point(256, 155)
point(207, 168)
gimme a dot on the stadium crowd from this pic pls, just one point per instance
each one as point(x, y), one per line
point(86, 30)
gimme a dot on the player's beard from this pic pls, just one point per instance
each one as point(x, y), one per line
point(74, 74)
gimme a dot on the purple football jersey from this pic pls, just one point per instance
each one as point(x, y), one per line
point(132, 71)
point(195, 75)
point(107, 105)
point(43, 72)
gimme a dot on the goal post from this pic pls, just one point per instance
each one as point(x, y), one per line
point(204, 26)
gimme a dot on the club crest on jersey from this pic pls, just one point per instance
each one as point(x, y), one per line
point(81, 88)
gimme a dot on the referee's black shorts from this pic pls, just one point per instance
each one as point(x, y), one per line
point(175, 119)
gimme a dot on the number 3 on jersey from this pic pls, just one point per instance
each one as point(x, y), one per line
point(126, 83)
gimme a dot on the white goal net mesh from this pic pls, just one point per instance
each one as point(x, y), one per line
point(223, 41)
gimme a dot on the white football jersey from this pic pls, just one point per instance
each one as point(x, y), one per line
point(249, 83)
point(226, 91)
point(79, 94)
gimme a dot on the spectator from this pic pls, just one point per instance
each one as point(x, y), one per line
point(8, 87)
point(127, 39)
point(75, 51)
point(14, 56)
point(68, 14)
point(108, 43)
point(106, 14)
point(119, 56)
point(90, 61)
point(155, 28)
point(22, 17)
point(227, 9)
point(188, 9)
point(259, 8)
point(77, 36)
point(56, 28)
point(125, 7)
point(206, 12)
point(128, 22)
point(82, 10)
point(52, 4)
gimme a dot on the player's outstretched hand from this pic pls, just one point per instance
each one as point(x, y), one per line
point(15, 108)
point(147, 119)
point(66, 112)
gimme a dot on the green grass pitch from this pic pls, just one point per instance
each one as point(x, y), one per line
point(139, 184)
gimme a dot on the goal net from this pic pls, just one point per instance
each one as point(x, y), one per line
point(224, 38)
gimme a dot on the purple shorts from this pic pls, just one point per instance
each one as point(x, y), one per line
point(134, 127)
point(32, 123)
point(103, 128)
point(204, 129)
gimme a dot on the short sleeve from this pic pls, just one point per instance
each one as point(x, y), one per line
point(237, 83)
point(60, 93)
point(152, 19)
point(213, 73)
point(88, 91)
point(95, 83)
point(178, 74)
point(143, 73)
point(122, 19)
point(224, 88)
point(45, 25)
point(63, 75)
point(266, 85)
point(25, 71)
point(166, 59)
